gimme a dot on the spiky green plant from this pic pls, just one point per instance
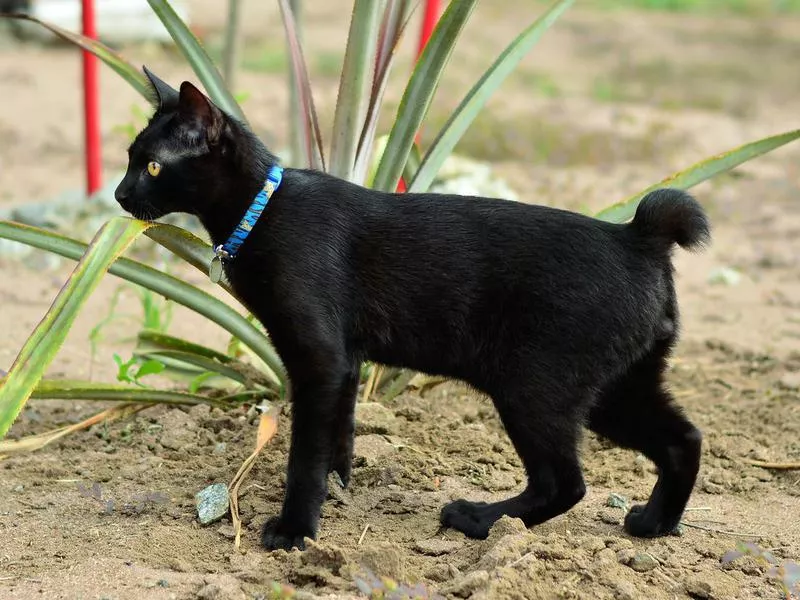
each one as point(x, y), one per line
point(375, 31)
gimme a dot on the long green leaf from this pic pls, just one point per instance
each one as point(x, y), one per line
point(354, 86)
point(479, 95)
point(114, 60)
point(65, 389)
point(419, 93)
point(700, 172)
point(309, 124)
point(187, 246)
point(198, 58)
point(395, 19)
point(161, 283)
point(150, 339)
point(200, 362)
point(45, 341)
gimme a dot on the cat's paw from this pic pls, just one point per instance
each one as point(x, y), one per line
point(641, 522)
point(473, 519)
point(276, 535)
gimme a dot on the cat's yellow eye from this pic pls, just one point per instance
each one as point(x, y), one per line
point(153, 168)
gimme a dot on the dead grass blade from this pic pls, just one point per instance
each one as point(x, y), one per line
point(40, 440)
point(267, 427)
point(789, 466)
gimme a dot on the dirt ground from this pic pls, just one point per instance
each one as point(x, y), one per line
point(608, 103)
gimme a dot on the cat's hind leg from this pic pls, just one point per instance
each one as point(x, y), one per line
point(543, 422)
point(637, 412)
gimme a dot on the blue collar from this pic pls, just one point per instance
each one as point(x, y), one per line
point(228, 250)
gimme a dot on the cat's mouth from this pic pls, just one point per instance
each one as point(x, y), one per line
point(143, 211)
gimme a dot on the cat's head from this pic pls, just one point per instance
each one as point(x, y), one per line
point(176, 159)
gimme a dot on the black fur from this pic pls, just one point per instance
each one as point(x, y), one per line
point(563, 320)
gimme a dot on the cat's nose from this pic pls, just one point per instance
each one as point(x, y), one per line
point(121, 193)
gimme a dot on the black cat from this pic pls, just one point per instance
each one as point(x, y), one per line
point(563, 320)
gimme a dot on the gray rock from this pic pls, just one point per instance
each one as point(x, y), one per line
point(617, 501)
point(227, 531)
point(212, 503)
point(372, 417)
point(643, 562)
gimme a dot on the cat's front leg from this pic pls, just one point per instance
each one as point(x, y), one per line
point(316, 398)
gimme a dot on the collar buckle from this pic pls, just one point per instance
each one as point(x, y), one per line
point(221, 253)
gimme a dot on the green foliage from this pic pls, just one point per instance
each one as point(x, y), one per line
point(134, 368)
point(357, 153)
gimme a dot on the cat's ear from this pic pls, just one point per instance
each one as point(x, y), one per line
point(166, 96)
point(199, 112)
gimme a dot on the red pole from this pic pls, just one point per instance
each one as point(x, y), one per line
point(429, 20)
point(91, 103)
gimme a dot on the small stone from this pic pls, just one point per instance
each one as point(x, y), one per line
point(219, 448)
point(643, 562)
point(371, 448)
point(227, 531)
point(617, 501)
point(437, 547)
point(372, 417)
point(212, 503)
point(18, 488)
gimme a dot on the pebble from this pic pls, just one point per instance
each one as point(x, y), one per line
point(642, 562)
point(617, 501)
point(212, 503)
point(372, 417)
point(227, 531)
point(437, 547)
point(219, 448)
